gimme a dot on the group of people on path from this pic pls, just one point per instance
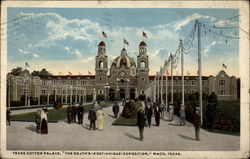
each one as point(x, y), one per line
point(41, 121)
point(73, 111)
point(145, 113)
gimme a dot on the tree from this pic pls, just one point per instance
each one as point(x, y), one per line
point(211, 111)
point(16, 71)
point(43, 72)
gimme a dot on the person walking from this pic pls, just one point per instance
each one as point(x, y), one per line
point(100, 118)
point(162, 109)
point(44, 121)
point(8, 115)
point(182, 115)
point(171, 111)
point(69, 114)
point(80, 111)
point(141, 121)
point(74, 113)
point(115, 109)
point(92, 118)
point(38, 121)
point(149, 112)
point(157, 115)
point(197, 123)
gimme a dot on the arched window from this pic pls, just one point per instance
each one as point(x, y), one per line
point(142, 64)
point(100, 64)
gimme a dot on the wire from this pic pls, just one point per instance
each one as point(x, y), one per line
point(15, 19)
point(235, 37)
point(229, 18)
point(215, 27)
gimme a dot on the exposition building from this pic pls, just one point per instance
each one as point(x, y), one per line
point(125, 78)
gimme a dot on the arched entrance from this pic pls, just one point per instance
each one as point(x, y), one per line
point(111, 94)
point(132, 93)
point(122, 93)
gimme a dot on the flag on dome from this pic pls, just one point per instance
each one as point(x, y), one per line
point(144, 35)
point(125, 42)
point(89, 73)
point(224, 66)
point(104, 34)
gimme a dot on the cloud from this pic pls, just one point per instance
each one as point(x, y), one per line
point(208, 48)
point(22, 51)
point(87, 60)
point(179, 24)
point(35, 55)
point(160, 53)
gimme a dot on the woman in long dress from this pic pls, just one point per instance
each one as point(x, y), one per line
point(100, 118)
point(44, 122)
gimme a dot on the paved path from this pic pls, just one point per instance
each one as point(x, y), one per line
point(167, 137)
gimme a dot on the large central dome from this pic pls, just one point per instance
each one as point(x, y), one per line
point(123, 60)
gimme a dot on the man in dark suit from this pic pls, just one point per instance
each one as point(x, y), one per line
point(141, 121)
point(149, 112)
point(80, 111)
point(115, 109)
point(8, 115)
point(197, 123)
point(92, 118)
point(74, 112)
point(69, 114)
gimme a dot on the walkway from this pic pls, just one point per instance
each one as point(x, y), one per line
point(167, 137)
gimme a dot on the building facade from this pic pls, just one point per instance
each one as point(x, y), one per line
point(125, 78)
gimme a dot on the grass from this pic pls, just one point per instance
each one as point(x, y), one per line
point(53, 115)
point(125, 122)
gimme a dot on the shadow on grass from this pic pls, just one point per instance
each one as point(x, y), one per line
point(132, 136)
point(186, 137)
point(31, 128)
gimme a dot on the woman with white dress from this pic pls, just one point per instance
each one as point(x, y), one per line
point(100, 118)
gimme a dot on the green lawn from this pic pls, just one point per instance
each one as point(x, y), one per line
point(125, 122)
point(53, 115)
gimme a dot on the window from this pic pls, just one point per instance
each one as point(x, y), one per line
point(64, 82)
point(73, 82)
point(192, 91)
point(204, 83)
point(82, 91)
point(204, 91)
point(74, 91)
point(100, 78)
point(92, 82)
point(53, 82)
point(222, 82)
point(222, 92)
point(192, 83)
point(44, 91)
point(83, 83)
point(44, 83)
point(24, 91)
point(63, 91)
point(100, 91)
point(53, 91)
point(25, 81)
point(143, 79)
point(142, 92)
point(100, 64)
point(142, 64)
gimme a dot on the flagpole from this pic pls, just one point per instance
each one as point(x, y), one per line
point(166, 90)
point(172, 80)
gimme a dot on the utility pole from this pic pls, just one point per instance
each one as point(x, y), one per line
point(200, 68)
point(172, 80)
point(166, 89)
point(182, 72)
point(161, 86)
point(154, 100)
point(158, 88)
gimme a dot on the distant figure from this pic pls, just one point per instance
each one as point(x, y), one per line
point(171, 111)
point(96, 105)
point(123, 102)
point(115, 109)
point(149, 112)
point(74, 113)
point(8, 115)
point(197, 123)
point(100, 118)
point(182, 115)
point(38, 121)
point(44, 121)
point(80, 112)
point(157, 115)
point(92, 118)
point(141, 121)
point(162, 109)
point(69, 114)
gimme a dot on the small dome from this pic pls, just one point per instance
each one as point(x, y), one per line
point(123, 60)
point(101, 43)
point(143, 44)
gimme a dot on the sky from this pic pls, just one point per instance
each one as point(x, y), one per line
point(66, 39)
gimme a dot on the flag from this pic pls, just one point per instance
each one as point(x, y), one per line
point(144, 34)
point(70, 73)
point(224, 66)
point(104, 34)
point(167, 73)
point(125, 42)
point(89, 73)
point(27, 65)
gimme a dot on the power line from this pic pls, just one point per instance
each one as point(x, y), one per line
point(235, 37)
point(225, 19)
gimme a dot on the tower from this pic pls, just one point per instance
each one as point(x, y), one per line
point(101, 68)
point(142, 68)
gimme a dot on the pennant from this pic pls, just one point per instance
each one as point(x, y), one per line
point(89, 73)
point(125, 42)
point(224, 66)
point(104, 34)
point(144, 35)
point(70, 73)
point(27, 65)
point(167, 73)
